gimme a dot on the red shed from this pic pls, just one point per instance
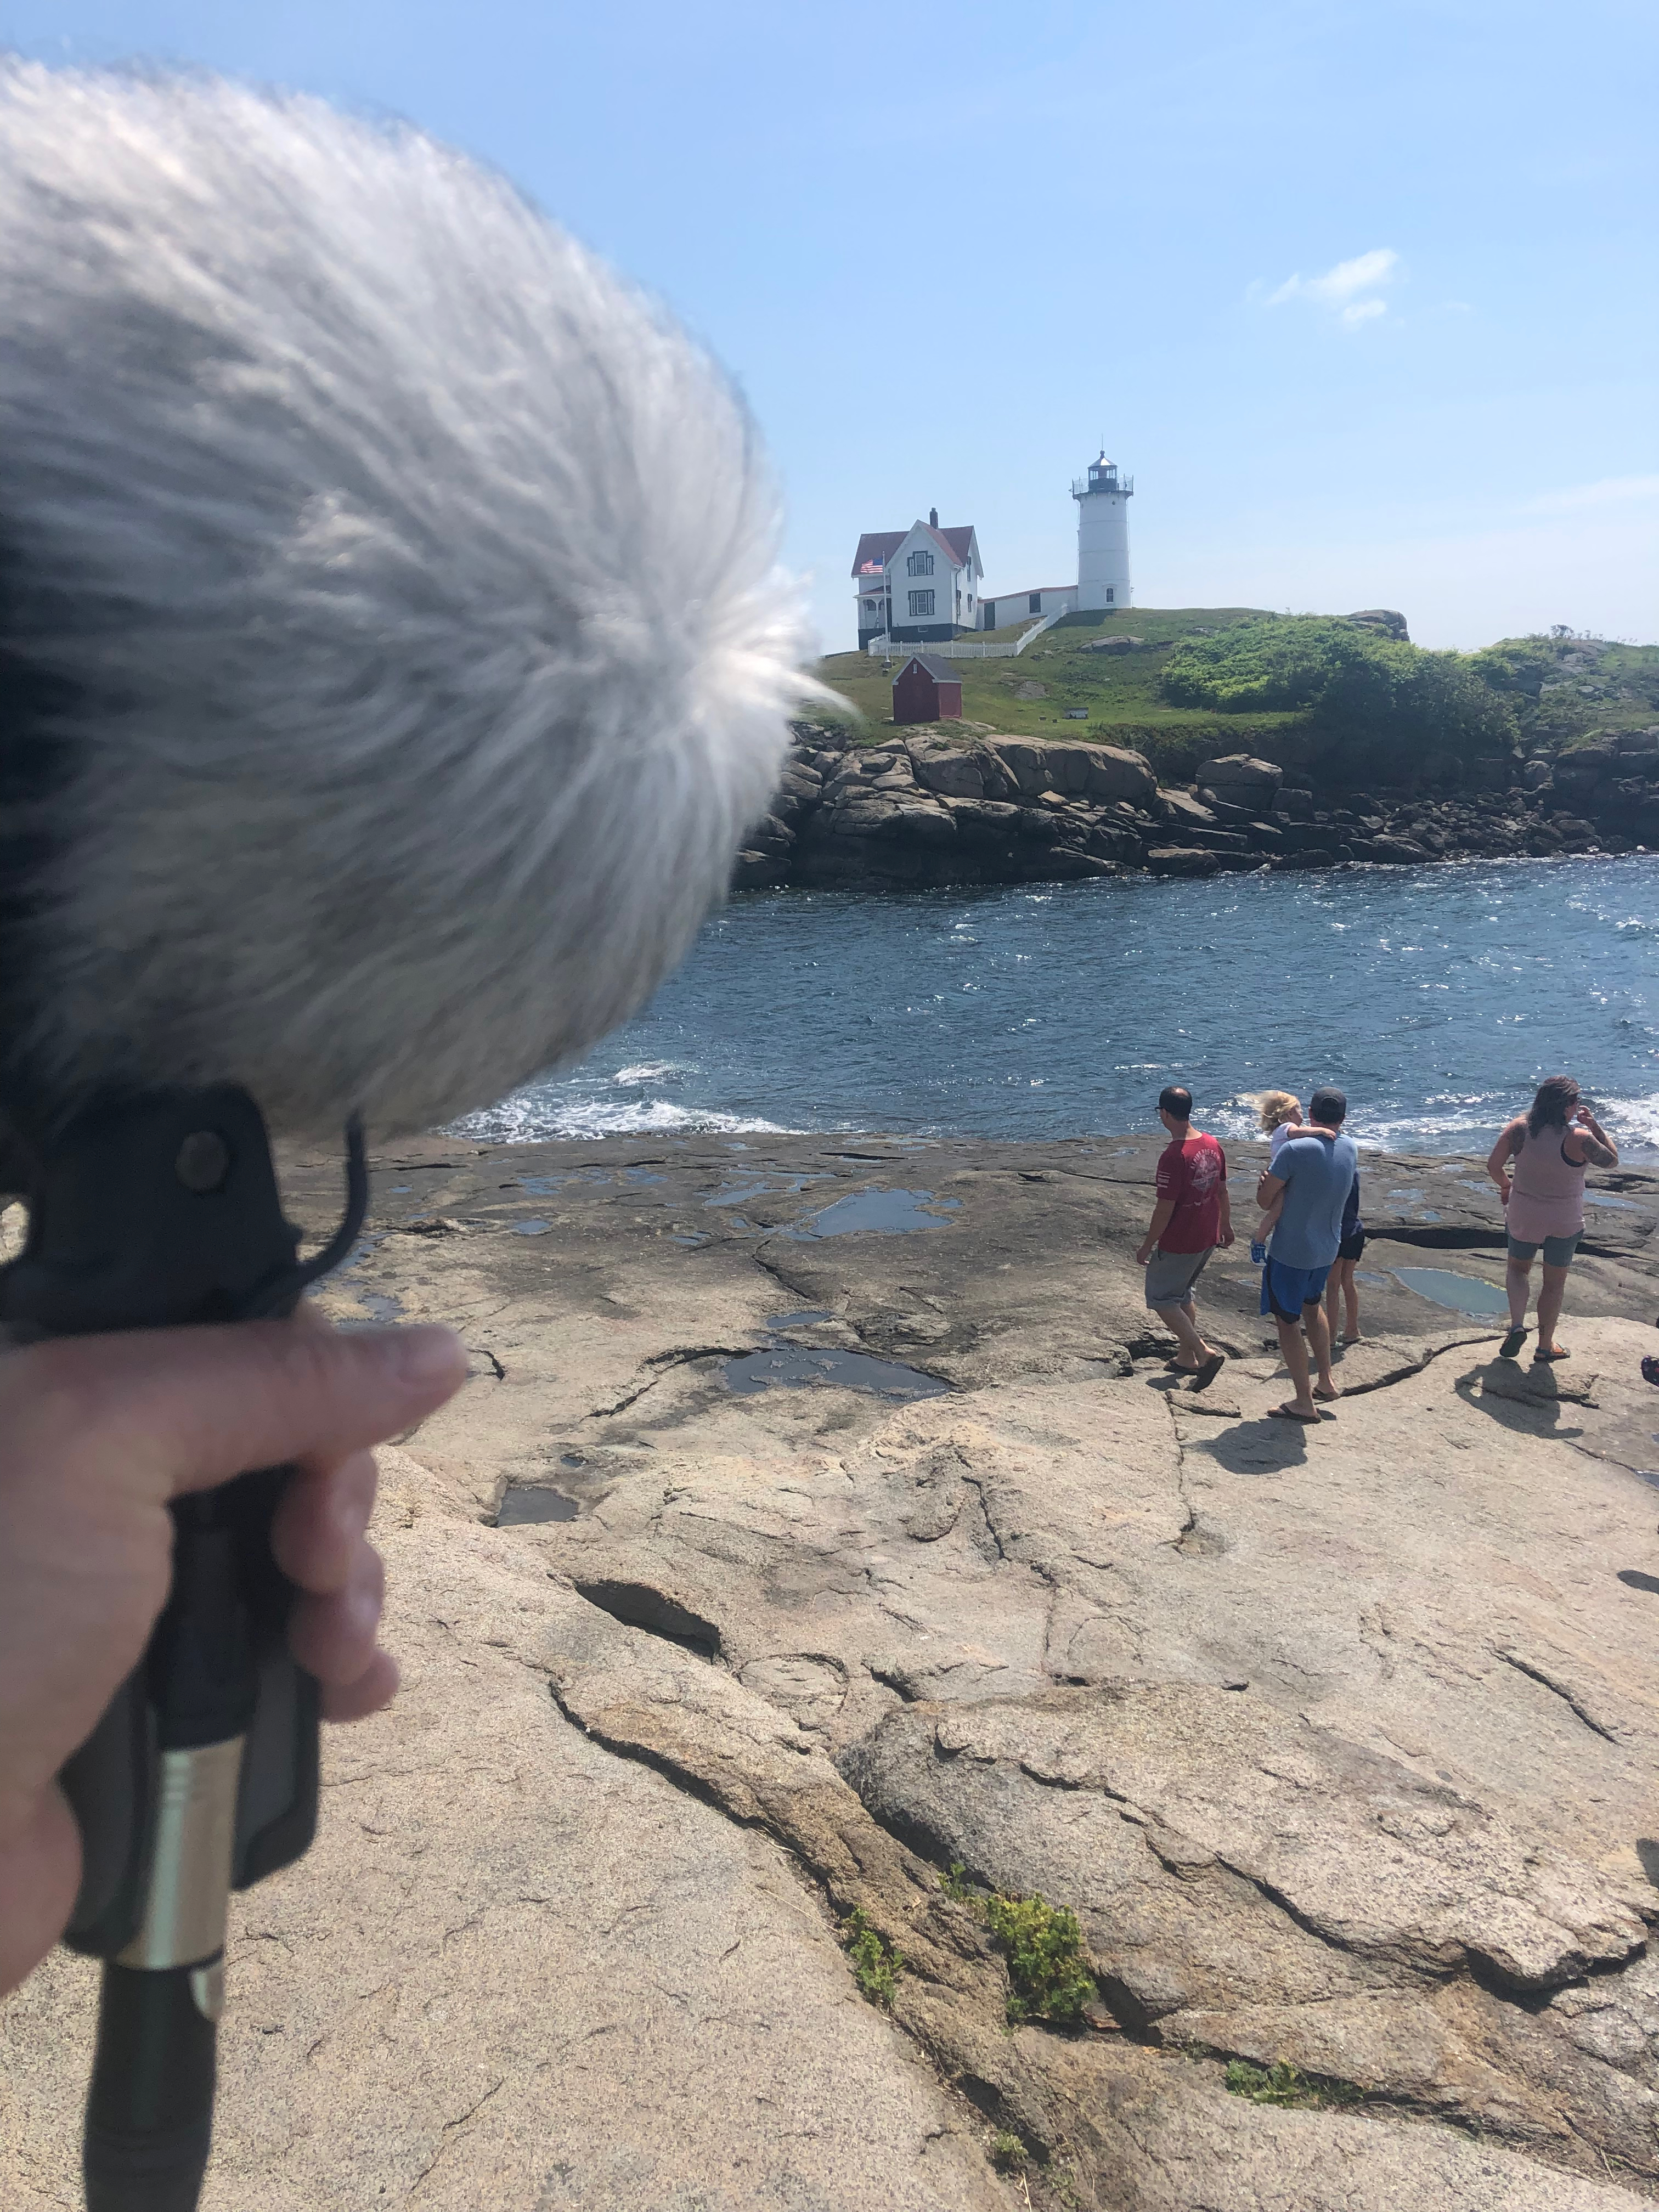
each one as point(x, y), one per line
point(927, 688)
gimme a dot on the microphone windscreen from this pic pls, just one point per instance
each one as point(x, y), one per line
point(392, 649)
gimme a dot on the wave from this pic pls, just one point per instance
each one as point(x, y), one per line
point(652, 1070)
point(533, 1118)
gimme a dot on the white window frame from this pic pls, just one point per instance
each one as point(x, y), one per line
point(921, 605)
point(920, 564)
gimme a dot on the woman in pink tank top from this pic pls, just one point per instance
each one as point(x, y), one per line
point(1543, 1190)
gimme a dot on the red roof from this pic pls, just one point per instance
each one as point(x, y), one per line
point(877, 547)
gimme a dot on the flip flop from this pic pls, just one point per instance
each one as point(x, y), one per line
point(1180, 1367)
point(1207, 1373)
point(1292, 1414)
point(1512, 1343)
point(1540, 1358)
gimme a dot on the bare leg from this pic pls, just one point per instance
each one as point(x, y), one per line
point(1517, 1277)
point(1294, 1351)
point(1549, 1306)
point(1178, 1320)
point(1332, 1293)
point(1319, 1337)
point(1350, 1300)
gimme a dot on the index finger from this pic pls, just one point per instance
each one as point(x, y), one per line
point(183, 1409)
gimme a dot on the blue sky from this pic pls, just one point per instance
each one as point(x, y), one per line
point(1364, 294)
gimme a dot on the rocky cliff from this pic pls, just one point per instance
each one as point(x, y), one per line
point(956, 803)
point(821, 1519)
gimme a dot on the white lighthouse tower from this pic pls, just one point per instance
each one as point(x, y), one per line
point(1103, 535)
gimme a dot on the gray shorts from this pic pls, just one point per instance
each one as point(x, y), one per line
point(1558, 1250)
point(1170, 1277)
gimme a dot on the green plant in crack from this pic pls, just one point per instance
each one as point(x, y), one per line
point(1043, 1945)
point(1008, 2153)
point(956, 1885)
point(875, 1964)
point(1284, 2084)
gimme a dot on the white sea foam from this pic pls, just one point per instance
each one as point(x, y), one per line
point(539, 1117)
point(652, 1070)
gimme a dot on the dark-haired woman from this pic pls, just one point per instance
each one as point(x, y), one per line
point(1538, 1164)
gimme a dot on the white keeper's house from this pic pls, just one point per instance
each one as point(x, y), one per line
point(922, 586)
point(918, 585)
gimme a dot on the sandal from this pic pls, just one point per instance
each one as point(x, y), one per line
point(1540, 1358)
point(1512, 1343)
point(1207, 1373)
point(1292, 1414)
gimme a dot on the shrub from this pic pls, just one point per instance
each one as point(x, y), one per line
point(1042, 1944)
point(1353, 683)
point(1008, 2153)
point(876, 1964)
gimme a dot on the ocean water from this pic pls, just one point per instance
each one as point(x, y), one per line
point(1436, 998)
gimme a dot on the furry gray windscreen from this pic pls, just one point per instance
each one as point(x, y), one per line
point(394, 642)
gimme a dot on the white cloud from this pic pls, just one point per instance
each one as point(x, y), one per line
point(1608, 491)
point(1349, 289)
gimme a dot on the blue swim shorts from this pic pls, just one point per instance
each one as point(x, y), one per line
point(1286, 1291)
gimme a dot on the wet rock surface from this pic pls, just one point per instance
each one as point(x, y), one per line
point(956, 804)
point(1339, 1743)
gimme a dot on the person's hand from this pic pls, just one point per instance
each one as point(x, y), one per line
point(1228, 1236)
point(96, 1435)
point(1143, 1254)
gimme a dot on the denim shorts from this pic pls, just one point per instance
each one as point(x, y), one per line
point(1558, 1250)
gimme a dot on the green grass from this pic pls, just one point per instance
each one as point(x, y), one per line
point(1118, 692)
point(1288, 2085)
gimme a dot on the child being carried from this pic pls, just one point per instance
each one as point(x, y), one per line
point(1280, 1116)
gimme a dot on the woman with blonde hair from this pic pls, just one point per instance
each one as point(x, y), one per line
point(1545, 1152)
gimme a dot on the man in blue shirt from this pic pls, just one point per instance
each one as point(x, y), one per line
point(1315, 1170)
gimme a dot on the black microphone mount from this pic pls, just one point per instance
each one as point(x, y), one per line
point(154, 1209)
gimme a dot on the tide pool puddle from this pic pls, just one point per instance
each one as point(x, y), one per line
point(794, 1367)
point(882, 1213)
point(1600, 1198)
point(527, 1502)
point(1466, 1294)
point(530, 1227)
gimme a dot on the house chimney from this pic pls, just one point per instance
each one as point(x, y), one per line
point(932, 518)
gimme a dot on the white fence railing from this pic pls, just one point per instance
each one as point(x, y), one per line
point(958, 648)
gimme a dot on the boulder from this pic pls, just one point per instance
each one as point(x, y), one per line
point(1182, 860)
point(1115, 645)
point(922, 825)
point(1242, 778)
point(1181, 810)
point(1386, 619)
point(952, 775)
point(1024, 759)
point(1093, 771)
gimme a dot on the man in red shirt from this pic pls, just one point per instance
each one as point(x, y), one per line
point(1191, 1218)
